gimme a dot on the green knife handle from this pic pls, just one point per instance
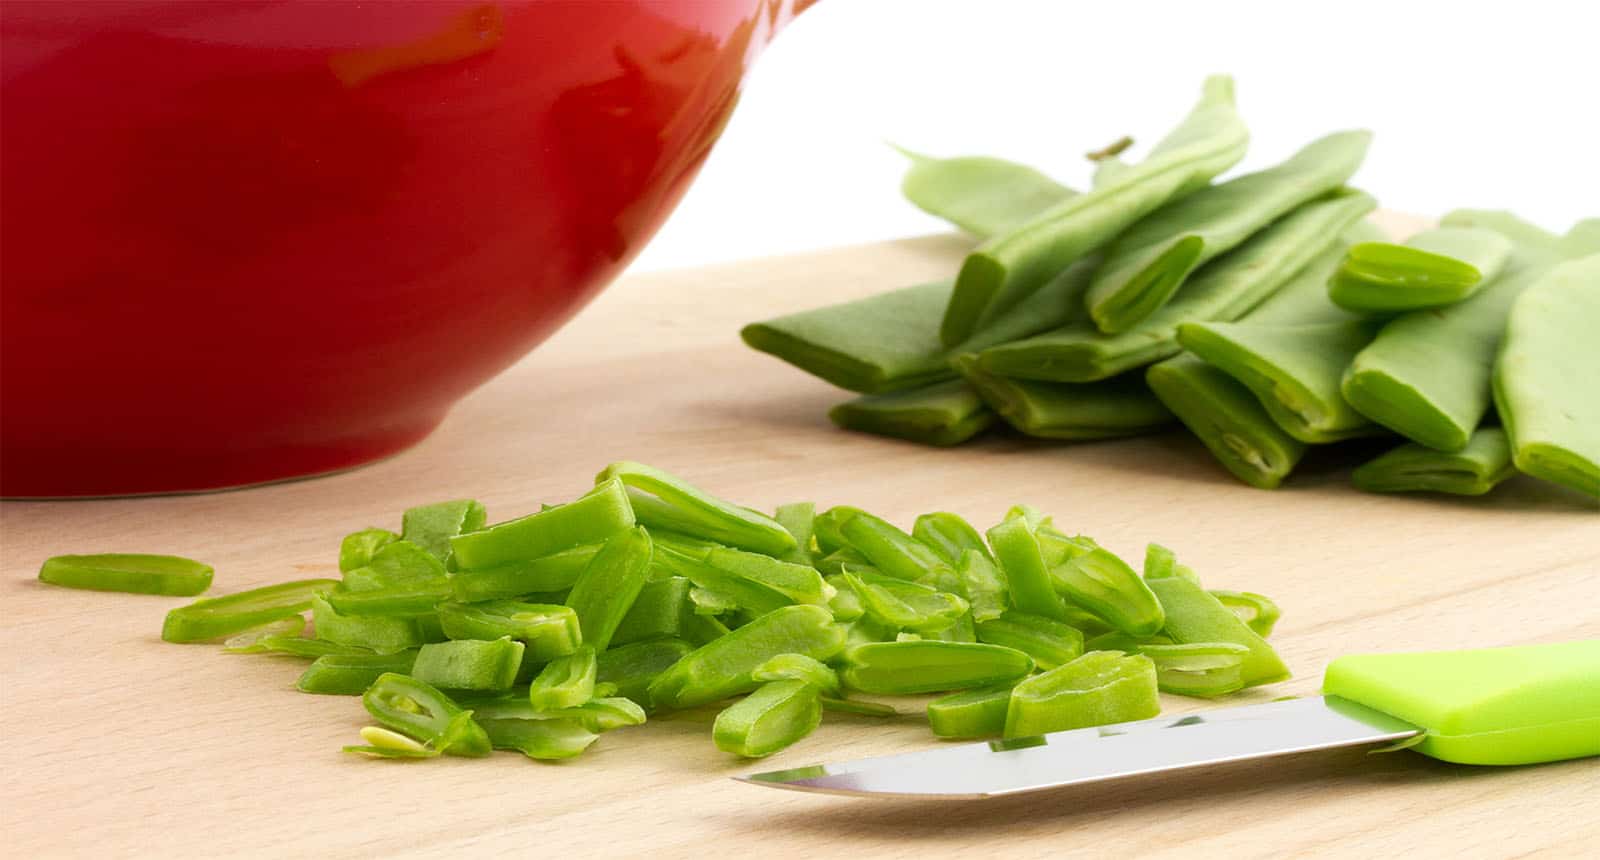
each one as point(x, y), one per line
point(1516, 705)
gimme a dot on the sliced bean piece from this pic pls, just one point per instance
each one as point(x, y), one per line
point(1472, 471)
point(1547, 377)
point(590, 519)
point(1149, 262)
point(545, 740)
point(709, 601)
point(632, 668)
point(979, 713)
point(930, 666)
point(216, 617)
point(548, 631)
point(942, 414)
point(432, 526)
point(797, 518)
point(298, 646)
point(694, 512)
point(392, 601)
point(1048, 641)
point(1204, 669)
point(419, 711)
point(469, 664)
point(856, 706)
point(983, 196)
point(770, 719)
point(1255, 610)
point(565, 682)
point(1431, 269)
point(1582, 240)
point(1224, 289)
point(890, 550)
point(1016, 546)
point(743, 577)
point(607, 588)
point(249, 641)
point(352, 674)
point(1427, 375)
point(1111, 408)
point(380, 634)
point(661, 609)
point(400, 565)
point(867, 629)
point(798, 583)
point(555, 572)
point(598, 715)
point(1099, 688)
point(963, 630)
point(1511, 226)
point(983, 585)
point(846, 603)
point(1009, 267)
point(135, 573)
point(799, 667)
point(723, 667)
point(1106, 586)
point(905, 605)
point(357, 548)
point(1195, 616)
point(948, 535)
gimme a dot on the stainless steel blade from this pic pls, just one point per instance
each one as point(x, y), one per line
point(1103, 752)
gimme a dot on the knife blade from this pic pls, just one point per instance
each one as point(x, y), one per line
point(1079, 756)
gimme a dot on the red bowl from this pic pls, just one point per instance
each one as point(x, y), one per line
point(246, 241)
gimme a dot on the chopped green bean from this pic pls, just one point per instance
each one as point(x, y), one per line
point(424, 714)
point(700, 629)
point(547, 630)
point(1108, 409)
point(845, 604)
point(983, 585)
point(858, 707)
point(380, 634)
point(394, 601)
point(298, 646)
point(661, 609)
point(469, 664)
point(1107, 587)
point(216, 617)
point(694, 512)
point(357, 548)
point(942, 414)
point(709, 601)
point(797, 519)
point(835, 562)
point(565, 682)
point(1048, 641)
point(1433, 268)
point(1148, 262)
point(135, 573)
point(352, 674)
point(554, 572)
point(948, 535)
point(1098, 688)
point(1017, 547)
point(979, 713)
point(1472, 471)
point(631, 668)
point(906, 605)
point(1010, 266)
point(607, 588)
point(775, 716)
point(723, 667)
point(799, 667)
point(1195, 616)
point(742, 578)
point(249, 641)
point(400, 565)
point(432, 526)
point(1204, 669)
point(598, 715)
point(930, 666)
point(981, 195)
point(544, 740)
point(1547, 377)
point(890, 550)
point(1519, 231)
point(590, 519)
point(1256, 610)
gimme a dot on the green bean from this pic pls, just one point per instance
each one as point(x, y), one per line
point(1427, 374)
point(565, 682)
point(598, 715)
point(1098, 688)
point(1007, 268)
point(357, 548)
point(590, 519)
point(845, 604)
point(1224, 289)
point(1117, 641)
point(798, 519)
point(754, 581)
point(1110, 408)
point(134, 573)
point(381, 634)
point(961, 630)
point(774, 717)
point(928, 666)
point(983, 585)
point(544, 740)
point(979, 713)
point(1472, 471)
point(1108, 588)
point(1016, 545)
point(981, 195)
point(249, 641)
point(906, 605)
point(1048, 641)
point(1195, 616)
point(607, 588)
point(1150, 261)
point(948, 535)
point(723, 667)
point(351, 674)
point(858, 707)
point(397, 601)
point(661, 609)
point(432, 526)
point(547, 630)
point(1519, 231)
point(555, 572)
point(631, 668)
point(296, 646)
point(421, 712)
point(1582, 240)
point(469, 664)
point(1204, 669)
point(1294, 370)
point(799, 667)
point(1433, 268)
point(942, 414)
point(697, 513)
point(217, 617)
point(1547, 377)
point(399, 566)
point(890, 550)
point(1256, 610)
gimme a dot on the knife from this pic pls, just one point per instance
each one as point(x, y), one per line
point(1494, 706)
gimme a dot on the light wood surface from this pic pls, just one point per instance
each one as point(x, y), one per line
point(118, 744)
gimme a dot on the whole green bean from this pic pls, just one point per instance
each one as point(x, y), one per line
point(983, 196)
point(432, 526)
point(1098, 688)
point(774, 717)
point(1472, 471)
point(699, 514)
point(607, 588)
point(1110, 408)
point(135, 573)
point(723, 667)
point(979, 713)
point(1150, 261)
point(1547, 377)
point(927, 666)
point(1225, 289)
point(590, 519)
point(942, 414)
point(1010, 266)
point(216, 617)
point(352, 674)
point(1433, 268)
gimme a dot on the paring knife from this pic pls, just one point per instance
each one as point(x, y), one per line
point(1493, 706)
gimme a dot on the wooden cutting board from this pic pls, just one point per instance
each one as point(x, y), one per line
point(119, 744)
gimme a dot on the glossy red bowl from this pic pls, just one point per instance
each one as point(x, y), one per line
point(246, 241)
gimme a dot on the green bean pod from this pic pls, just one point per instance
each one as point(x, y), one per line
point(216, 617)
point(632, 668)
point(661, 609)
point(135, 573)
point(565, 682)
point(555, 572)
point(590, 519)
point(798, 519)
point(1049, 642)
point(548, 631)
point(983, 585)
point(1098, 688)
point(1203, 669)
point(1194, 616)
point(906, 605)
point(723, 667)
point(1431, 269)
point(378, 633)
point(983, 196)
point(1257, 611)
point(1105, 585)
point(941, 414)
point(979, 713)
point(949, 535)
point(1108, 409)
point(392, 601)
point(1472, 471)
point(1017, 547)
point(887, 548)
point(672, 503)
point(432, 526)
point(545, 740)
point(469, 664)
point(357, 548)
point(421, 712)
point(799, 667)
point(608, 587)
point(352, 674)
point(772, 718)
point(297, 646)
point(929, 666)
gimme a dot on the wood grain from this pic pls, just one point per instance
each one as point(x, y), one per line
point(118, 744)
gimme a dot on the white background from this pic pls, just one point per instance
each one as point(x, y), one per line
point(1491, 105)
